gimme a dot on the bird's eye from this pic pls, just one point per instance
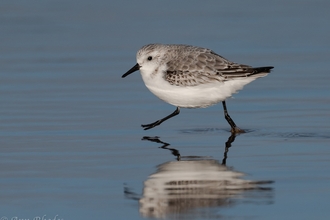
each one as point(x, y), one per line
point(150, 58)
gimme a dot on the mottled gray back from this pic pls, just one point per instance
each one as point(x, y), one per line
point(191, 66)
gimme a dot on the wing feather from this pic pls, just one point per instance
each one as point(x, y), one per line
point(193, 66)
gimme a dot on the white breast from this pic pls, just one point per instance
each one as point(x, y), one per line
point(200, 96)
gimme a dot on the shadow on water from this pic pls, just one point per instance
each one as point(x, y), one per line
point(196, 186)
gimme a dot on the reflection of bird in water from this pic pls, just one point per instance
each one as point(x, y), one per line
point(184, 187)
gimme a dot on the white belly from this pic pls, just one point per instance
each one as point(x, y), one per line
point(200, 96)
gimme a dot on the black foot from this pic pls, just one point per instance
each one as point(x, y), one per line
point(237, 130)
point(156, 123)
point(151, 125)
point(234, 128)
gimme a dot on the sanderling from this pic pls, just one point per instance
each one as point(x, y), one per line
point(192, 77)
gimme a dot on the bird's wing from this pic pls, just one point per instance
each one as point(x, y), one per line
point(201, 66)
point(192, 68)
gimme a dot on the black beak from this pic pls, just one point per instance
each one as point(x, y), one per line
point(133, 69)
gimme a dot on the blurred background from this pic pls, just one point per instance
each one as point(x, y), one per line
point(70, 132)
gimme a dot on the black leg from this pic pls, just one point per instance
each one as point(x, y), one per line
point(234, 128)
point(156, 123)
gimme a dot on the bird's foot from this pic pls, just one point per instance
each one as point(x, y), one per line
point(237, 130)
point(151, 125)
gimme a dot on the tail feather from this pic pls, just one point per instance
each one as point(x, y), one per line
point(265, 69)
point(246, 71)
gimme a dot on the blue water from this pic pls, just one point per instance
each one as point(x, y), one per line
point(70, 138)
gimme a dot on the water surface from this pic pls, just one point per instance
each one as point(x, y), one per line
point(70, 136)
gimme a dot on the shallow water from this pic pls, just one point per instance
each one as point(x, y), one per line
point(70, 136)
